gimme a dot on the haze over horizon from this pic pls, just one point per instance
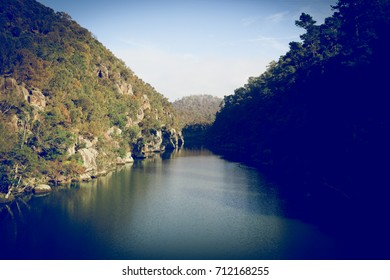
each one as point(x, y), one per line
point(194, 47)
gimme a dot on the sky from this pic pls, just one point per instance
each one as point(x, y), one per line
point(197, 46)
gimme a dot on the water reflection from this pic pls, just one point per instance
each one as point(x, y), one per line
point(193, 206)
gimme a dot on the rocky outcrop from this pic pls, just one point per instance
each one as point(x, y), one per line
point(145, 105)
point(139, 149)
point(145, 102)
point(8, 84)
point(89, 156)
point(170, 139)
point(121, 85)
point(87, 142)
point(36, 99)
point(34, 96)
point(154, 143)
point(180, 139)
point(140, 116)
point(160, 141)
point(114, 131)
point(71, 150)
point(102, 71)
point(124, 88)
point(41, 189)
point(125, 160)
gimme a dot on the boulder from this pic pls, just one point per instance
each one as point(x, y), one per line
point(34, 96)
point(170, 139)
point(71, 150)
point(9, 83)
point(128, 158)
point(161, 140)
point(89, 159)
point(42, 189)
point(120, 161)
point(10, 86)
point(124, 160)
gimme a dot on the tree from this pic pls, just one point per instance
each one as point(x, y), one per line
point(320, 108)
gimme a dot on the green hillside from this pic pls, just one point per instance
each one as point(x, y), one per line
point(68, 107)
point(197, 109)
point(195, 114)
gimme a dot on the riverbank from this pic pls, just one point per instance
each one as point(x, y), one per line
point(194, 205)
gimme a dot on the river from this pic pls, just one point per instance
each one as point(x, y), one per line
point(190, 204)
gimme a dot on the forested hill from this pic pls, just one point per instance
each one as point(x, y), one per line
point(68, 107)
point(195, 115)
point(197, 109)
point(319, 116)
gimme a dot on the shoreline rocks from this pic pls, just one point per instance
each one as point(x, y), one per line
point(159, 141)
point(125, 160)
point(42, 189)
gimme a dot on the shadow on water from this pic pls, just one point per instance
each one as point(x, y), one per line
point(14, 213)
point(358, 222)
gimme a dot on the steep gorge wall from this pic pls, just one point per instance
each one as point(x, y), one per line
point(69, 109)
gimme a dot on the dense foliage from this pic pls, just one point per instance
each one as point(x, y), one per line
point(83, 90)
point(195, 114)
point(197, 109)
point(319, 116)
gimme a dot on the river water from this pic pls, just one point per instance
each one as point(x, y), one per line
point(190, 204)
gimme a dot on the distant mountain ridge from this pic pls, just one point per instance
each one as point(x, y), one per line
point(69, 109)
point(196, 113)
point(197, 109)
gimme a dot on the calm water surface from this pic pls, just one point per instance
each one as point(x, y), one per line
point(189, 205)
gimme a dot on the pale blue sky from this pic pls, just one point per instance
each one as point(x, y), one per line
point(198, 46)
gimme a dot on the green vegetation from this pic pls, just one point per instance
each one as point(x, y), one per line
point(197, 109)
point(195, 114)
point(59, 89)
point(319, 115)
